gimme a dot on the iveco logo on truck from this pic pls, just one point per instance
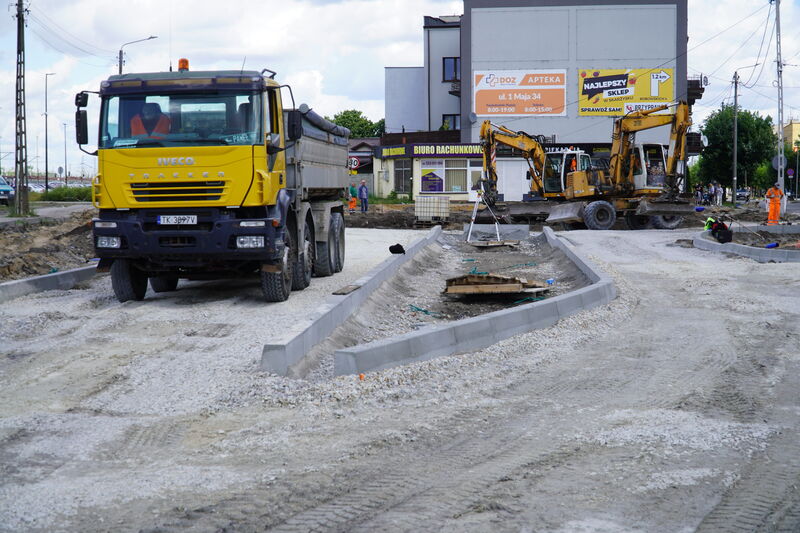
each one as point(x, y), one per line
point(175, 161)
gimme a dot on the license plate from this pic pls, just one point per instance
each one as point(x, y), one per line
point(177, 219)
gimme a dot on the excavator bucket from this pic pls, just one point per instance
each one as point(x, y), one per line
point(664, 208)
point(566, 212)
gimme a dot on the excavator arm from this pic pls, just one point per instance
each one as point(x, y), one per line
point(531, 148)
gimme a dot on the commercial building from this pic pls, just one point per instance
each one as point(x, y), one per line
point(560, 69)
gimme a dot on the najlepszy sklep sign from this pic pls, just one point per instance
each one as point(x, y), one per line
point(509, 93)
point(615, 92)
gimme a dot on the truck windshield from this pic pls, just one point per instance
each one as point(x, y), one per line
point(138, 120)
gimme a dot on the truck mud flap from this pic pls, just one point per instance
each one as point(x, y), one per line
point(664, 208)
point(566, 212)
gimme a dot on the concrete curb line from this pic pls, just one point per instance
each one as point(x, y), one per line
point(57, 280)
point(705, 241)
point(479, 332)
point(279, 357)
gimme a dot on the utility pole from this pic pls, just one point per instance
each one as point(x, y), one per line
point(781, 156)
point(735, 129)
point(21, 142)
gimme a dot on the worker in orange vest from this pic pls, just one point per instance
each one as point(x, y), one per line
point(151, 122)
point(774, 196)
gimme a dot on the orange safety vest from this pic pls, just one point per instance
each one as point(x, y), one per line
point(161, 127)
point(774, 193)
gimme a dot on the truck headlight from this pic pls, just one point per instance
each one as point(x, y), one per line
point(108, 242)
point(250, 241)
point(252, 223)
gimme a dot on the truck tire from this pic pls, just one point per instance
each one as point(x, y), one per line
point(165, 283)
point(666, 221)
point(301, 270)
point(599, 215)
point(325, 258)
point(337, 221)
point(634, 221)
point(128, 282)
point(276, 286)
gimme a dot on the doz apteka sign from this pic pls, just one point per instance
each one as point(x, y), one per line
point(498, 93)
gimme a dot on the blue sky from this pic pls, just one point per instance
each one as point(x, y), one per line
point(332, 52)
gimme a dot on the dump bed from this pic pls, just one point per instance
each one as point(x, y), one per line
point(316, 164)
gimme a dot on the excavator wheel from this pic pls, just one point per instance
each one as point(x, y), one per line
point(666, 221)
point(599, 215)
point(634, 221)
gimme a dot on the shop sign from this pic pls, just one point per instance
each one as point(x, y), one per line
point(432, 175)
point(430, 150)
point(520, 93)
point(615, 92)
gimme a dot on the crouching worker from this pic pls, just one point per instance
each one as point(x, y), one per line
point(719, 230)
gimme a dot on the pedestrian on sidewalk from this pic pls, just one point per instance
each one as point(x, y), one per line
point(774, 197)
point(719, 190)
point(363, 195)
point(352, 195)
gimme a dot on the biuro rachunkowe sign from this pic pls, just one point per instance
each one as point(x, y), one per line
point(429, 150)
point(616, 92)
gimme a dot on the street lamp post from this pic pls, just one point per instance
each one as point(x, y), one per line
point(46, 182)
point(132, 42)
point(66, 174)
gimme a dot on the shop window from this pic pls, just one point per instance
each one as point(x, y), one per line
point(475, 172)
point(451, 122)
point(455, 175)
point(451, 69)
point(402, 175)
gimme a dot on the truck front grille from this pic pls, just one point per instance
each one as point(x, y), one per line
point(176, 242)
point(177, 191)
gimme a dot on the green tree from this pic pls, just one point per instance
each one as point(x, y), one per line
point(756, 145)
point(358, 124)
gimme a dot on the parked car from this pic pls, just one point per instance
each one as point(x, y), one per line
point(743, 194)
point(6, 192)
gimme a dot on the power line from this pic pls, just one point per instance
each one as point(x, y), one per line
point(760, 46)
point(63, 32)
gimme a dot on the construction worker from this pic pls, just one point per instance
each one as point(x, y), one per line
point(774, 197)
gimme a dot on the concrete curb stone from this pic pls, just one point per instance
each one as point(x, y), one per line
point(704, 241)
point(479, 332)
point(57, 280)
point(279, 357)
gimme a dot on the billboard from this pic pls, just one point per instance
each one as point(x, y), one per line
point(519, 93)
point(615, 92)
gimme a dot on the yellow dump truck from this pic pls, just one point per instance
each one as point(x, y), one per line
point(205, 174)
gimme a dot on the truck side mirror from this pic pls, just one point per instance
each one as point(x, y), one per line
point(81, 99)
point(273, 143)
point(294, 125)
point(81, 131)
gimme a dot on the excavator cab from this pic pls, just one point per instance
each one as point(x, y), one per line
point(561, 164)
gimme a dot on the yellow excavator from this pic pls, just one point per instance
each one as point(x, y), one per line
point(641, 184)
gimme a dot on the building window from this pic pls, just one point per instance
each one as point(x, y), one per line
point(451, 122)
point(455, 175)
point(451, 69)
point(402, 175)
point(475, 172)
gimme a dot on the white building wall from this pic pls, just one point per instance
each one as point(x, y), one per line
point(440, 43)
point(571, 38)
point(405, 98)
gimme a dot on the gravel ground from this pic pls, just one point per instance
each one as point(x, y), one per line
point(673, 408)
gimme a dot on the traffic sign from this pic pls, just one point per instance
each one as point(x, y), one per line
point(353, 162)
point(779, 161)
point(790, 172)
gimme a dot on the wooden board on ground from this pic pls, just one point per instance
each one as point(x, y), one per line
point(489, 244)
point(492, 284)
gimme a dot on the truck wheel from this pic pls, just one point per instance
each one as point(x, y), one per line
point(337, 221)
point(166, 283)
point(325, 257)
point(276, 286)
point(301, 270)
point(634, 221)
point(666, 221)
point(128, 282)
point(599, 215)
